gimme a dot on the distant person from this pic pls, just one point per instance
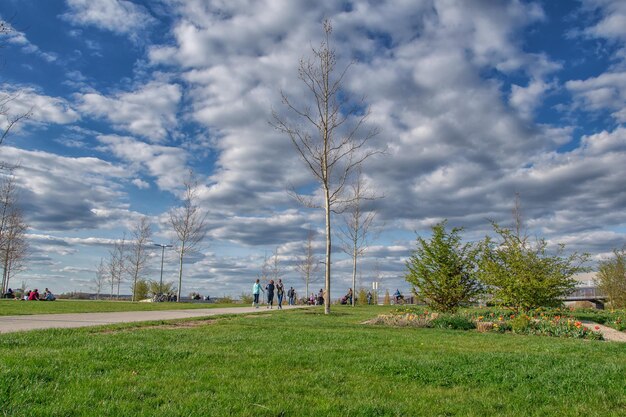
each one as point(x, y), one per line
point(280, 292)
point(9, 294)
point(398, 296)
point(256, 290)
point(349, 296)
point(312, 299)
point(270, 287)
point(34, 295)
point(48, 296)
point(320, 297)
point(291, 293)
point(369, 297)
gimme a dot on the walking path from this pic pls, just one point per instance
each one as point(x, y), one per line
point(608, 333)
point(9, 324)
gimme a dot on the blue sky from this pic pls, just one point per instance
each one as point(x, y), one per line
point(475, 101)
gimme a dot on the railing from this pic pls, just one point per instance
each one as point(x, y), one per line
point(586, 293)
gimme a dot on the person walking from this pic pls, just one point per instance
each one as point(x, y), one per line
point(270, 293)
point(290, 295)
point(280, 291)
point(256, 290)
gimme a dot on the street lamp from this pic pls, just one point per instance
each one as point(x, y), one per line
point(162, 255)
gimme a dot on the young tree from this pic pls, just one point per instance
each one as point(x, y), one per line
point(309, 264)
point(275, 268)
point(524, 275)
point(354, 234)
point(13, 244)
point(442, 269)
point(14, 248)
point(611, 278)
point(189, 224)
point(100, 278)
point(138, 253)
point(117, 265)
point(330, 146)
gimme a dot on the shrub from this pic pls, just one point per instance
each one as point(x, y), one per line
point(362, 297)
point(246, 298)
point(520, 324)
point(525, 276)
point(387, 299)
point(442, 270)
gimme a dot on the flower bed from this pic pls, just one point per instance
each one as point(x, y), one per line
point(541, 323)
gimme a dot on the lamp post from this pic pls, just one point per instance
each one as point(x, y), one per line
point(162, 256)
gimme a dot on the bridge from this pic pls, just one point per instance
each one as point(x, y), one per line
point(591, 294)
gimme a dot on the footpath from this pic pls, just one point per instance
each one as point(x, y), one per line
point(608, 333)
point(9, 324)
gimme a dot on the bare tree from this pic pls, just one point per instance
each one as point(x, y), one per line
point(309, 264)
point(137, 257)
point(355, 233)
point(8, 120)
point(15, 248)
point(117, 265)
point(189, 224)
point(13, 245)
point(276, 269)
point(100, 278)
point(331, 145)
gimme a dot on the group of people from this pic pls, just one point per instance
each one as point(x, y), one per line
point(31, 295)
point(270, 289)
point(317, 299)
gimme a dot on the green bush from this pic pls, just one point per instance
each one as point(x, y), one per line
point(453, 321)
point(520, 324)
point(246, 298)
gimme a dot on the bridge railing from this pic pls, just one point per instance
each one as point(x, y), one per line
point(586, 293)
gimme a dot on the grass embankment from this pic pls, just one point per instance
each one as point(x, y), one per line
point(16, 307)
point(300, 363)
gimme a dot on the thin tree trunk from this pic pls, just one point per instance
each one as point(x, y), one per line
point(180, 272)
point(328, 252)
point(354, 276)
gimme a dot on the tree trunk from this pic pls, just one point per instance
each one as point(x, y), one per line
point(328, 252)
point(354, 254)
point(180, 272)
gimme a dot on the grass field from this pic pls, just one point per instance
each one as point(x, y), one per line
point(16, 308)
point(300, 363)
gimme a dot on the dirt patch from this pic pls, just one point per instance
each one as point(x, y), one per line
point(608, 333)
point(168, 326)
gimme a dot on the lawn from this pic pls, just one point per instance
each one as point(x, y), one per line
point(303, 363)
point(16, 307)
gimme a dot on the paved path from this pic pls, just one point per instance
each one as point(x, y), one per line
point(10, 324)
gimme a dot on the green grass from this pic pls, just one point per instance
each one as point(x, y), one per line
point(16, 307)
point(303, 363)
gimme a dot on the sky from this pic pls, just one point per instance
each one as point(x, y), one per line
point(475, 102)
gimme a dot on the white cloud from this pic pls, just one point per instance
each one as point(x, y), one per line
point(45, 179)
point(19, 38)
point(118, 16)
point(606, 91)
point(149, 111)
point(167, 164)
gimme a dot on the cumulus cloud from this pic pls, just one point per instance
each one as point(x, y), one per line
point(118, 16)
point(167, 164)
point(45, 180)
point(43, 109)
point(606, 91)
point(149, 111)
